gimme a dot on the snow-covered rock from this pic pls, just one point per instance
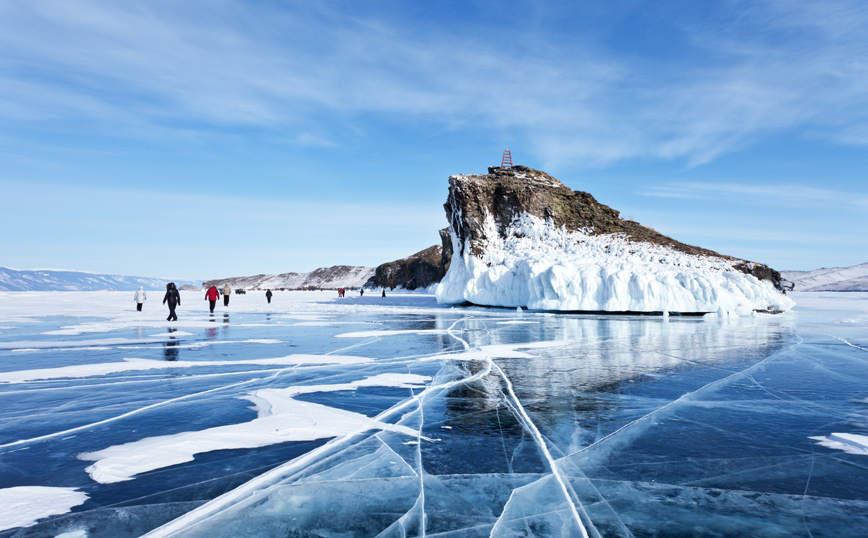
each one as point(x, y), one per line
point(854, 278)
point(521, 238)
point(338, 276)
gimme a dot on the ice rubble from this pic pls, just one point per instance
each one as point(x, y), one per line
point(535, 264)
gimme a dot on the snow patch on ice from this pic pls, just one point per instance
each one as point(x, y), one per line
point(537, 265)
point(132, 365)
point(501, 351)
point(52, 344)
point(394, 380)
point(24, 505)
point(280, 419)
point(848, 442)
point(81, 533)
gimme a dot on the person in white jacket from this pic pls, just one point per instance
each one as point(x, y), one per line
point(141, 297)
point(226, 291)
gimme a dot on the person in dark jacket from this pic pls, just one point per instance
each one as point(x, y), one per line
point(173, 298)
point(212, 295)
point(268, 295)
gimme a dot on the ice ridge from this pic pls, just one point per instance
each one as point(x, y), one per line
point(534, 264)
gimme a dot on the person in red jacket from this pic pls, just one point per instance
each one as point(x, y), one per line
point(212, 295)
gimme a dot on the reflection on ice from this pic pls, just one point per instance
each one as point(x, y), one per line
point(370, 334)
point(451, 422)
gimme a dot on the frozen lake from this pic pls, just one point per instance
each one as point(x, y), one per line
point(367, 416)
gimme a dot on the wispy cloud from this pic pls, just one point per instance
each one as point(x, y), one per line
point(166, 67)
point(775, 195)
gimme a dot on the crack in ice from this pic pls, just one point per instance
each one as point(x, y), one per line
point(535, 433)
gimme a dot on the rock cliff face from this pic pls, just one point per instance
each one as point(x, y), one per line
point(506, 194)
point(522, 238)
point(417, 271)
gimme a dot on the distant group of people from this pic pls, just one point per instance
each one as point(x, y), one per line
point(172, 298)
point(212, 294)
point(342, 292)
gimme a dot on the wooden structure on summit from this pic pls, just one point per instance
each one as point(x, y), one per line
point(507, 159)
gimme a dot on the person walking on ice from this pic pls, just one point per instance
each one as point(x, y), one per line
point(226, 291)
point(141, 297)
point(268, 295)
point(212, 295)
point(173, 298)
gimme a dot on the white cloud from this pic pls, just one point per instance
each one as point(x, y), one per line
point(316, 75)
point(774, 195)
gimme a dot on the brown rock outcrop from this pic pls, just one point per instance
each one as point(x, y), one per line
point(419, 270)
point(506, 193)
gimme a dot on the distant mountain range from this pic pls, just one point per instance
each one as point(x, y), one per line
point(339, 276)
point(58, 280)
point(853, 278)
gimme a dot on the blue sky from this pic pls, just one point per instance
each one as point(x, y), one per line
point(219, 138)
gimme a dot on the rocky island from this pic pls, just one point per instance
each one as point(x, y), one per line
point(518, 237)
point(521, 238)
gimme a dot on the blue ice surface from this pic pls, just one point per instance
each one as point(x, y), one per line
point(634, 426)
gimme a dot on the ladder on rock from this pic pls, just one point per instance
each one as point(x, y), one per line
point(507, 159)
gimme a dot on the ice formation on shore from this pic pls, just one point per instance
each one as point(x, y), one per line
point(536, 265)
